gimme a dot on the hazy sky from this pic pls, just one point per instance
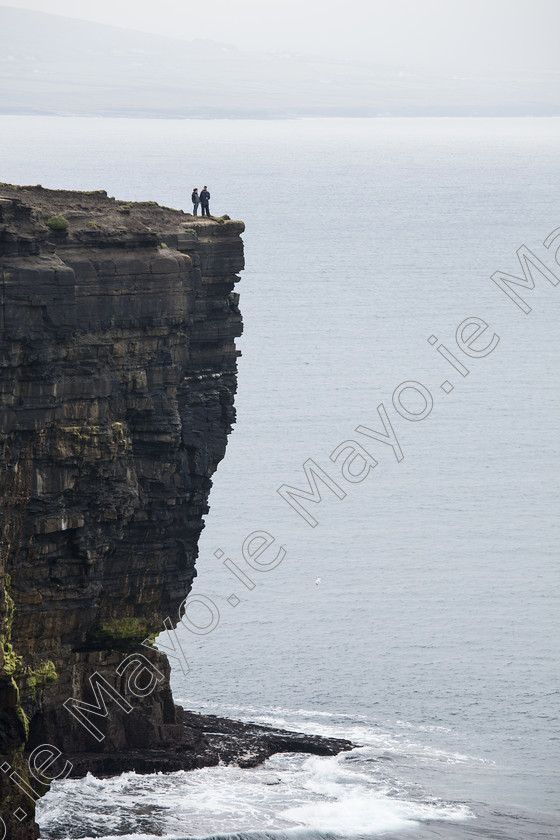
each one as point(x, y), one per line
point(451, 34)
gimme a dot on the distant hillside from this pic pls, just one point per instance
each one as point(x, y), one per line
point(57, 65)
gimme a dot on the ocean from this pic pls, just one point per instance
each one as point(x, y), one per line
point(415, 610)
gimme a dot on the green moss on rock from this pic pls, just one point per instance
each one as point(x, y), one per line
point(12, 662)
point(7, 613)
point(37, 678)
point(124, 632)
point(24, 720)
point(57, 223)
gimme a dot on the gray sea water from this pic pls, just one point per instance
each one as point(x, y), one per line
point(419, 617)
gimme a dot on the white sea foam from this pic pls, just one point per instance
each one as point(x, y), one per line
point(393, 737)
point(289, 792)
point(347, 803)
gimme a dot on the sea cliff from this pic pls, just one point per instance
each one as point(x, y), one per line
point(118, 373)
point(117, 385)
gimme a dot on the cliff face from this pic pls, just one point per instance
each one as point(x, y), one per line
point(117, 380)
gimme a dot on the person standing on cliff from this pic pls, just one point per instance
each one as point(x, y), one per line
point(195, 198)
point(204, 200)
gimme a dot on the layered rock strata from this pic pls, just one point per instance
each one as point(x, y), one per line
point(117, 331)
point(118, 373)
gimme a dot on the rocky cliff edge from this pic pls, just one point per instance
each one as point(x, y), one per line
point(118, 373)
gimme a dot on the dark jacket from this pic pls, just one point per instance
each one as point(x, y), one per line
point(195, 198)
point(204, 197)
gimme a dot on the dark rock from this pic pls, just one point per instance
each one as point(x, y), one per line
point(117, 381)
point(205, 741)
